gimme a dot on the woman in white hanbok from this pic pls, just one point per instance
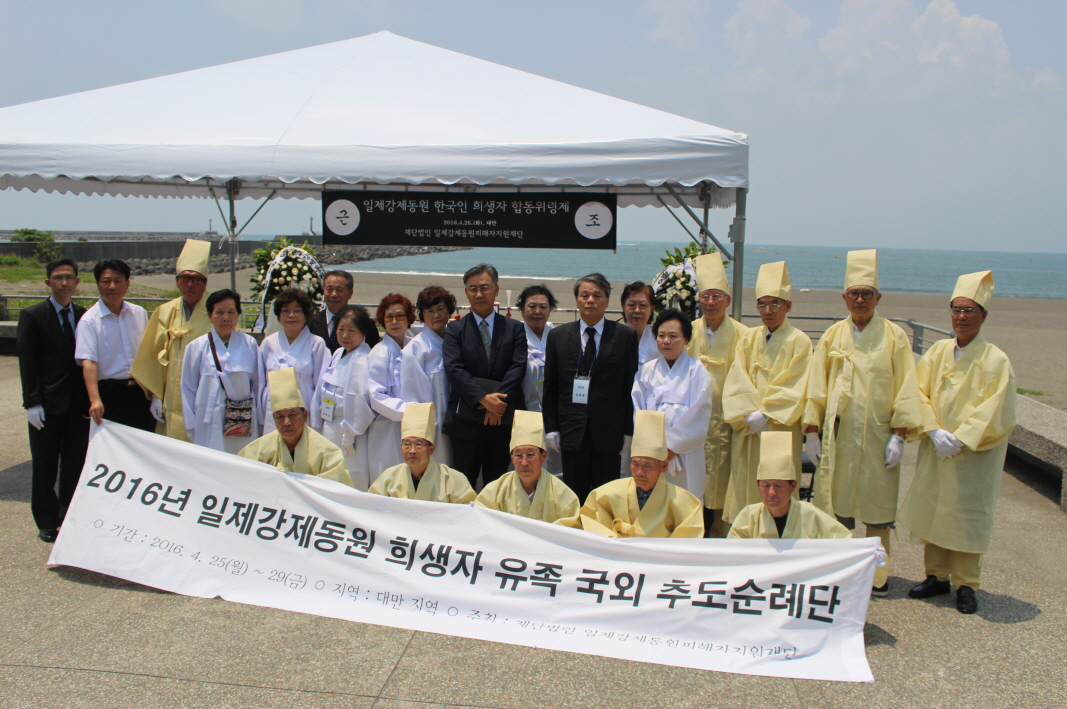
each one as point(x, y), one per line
point(536, 304)
point(231, 369)
point(422, 366)
point(341, 398)
point(680, 387)
point(396, 315)
point(293, 346)
point(638, 307)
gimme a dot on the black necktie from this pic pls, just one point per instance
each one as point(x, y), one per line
point(589, 353)
point(64, 319)
point(333, 335)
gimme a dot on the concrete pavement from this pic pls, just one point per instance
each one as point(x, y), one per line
point(71, 638)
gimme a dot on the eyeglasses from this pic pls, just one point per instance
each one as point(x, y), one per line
point(63, 278)
point(184, 279)
point(395, 318)
point(705, 297)
point(861, 294)
point(290, 313)
point(525, 456)
point(773, 307)
point(638, 306)
point(483, 288)
point(417, 444)
point(964, 311)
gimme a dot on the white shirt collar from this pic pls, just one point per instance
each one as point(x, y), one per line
point(599, 327)
point(105, 311)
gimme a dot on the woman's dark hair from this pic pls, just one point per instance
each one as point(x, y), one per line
point(637, 287)
point(394, 299)
point(541, 289)
point(431, 296)
point(674, 314)
point(359, 317)
point(221, 295)
point(293, 295)
point(112, 264)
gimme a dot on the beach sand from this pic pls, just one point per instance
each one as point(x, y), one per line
point(1032, 331)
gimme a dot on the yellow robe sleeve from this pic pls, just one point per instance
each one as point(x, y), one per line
point(783, 398)
point(670, 511)
point(314, 455)
point(805, 521)
point(552, 498)
point(438, 484)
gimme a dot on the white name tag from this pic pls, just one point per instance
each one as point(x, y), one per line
point(580, 393)
point(326, 410)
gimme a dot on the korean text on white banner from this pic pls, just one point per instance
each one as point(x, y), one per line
point(194, 521)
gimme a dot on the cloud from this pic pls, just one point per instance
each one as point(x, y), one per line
point(681, 22)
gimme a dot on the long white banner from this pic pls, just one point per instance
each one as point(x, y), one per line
point(194, 521)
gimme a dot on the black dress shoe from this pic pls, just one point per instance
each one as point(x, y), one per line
point(48, 535)
point(965, 600)
point(930, 587)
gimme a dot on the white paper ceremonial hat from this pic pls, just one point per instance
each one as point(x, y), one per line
point(862, 268)
point(650, 435)
point(776, 456)
point(711, 274)
point(773, 281)
point(528, 429)
point(195, 256)
point(284, 390)
point(418, 422)
point(976, 286)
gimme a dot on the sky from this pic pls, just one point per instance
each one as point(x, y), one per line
point(935, 124)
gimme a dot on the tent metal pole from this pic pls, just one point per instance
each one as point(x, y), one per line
point(703, 225)
point(231, 194)
point(707, 205)
point(680, 222)
point(737, 237)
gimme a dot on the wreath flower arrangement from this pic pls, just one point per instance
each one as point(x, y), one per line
point(676, 285)
point(292, 271)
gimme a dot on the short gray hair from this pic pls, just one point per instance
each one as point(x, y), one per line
point(596, 279)
point(480, 269)
point(347, 275)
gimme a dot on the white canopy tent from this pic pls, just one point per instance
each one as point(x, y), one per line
point(377, 112)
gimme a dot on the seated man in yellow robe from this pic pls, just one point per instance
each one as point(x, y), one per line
point(968, 400)
point(295, 447)
point(644, 505)
point(779, 516)
point(528, 490)
point(420, 477)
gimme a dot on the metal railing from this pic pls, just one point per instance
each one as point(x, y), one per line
point(12, 305)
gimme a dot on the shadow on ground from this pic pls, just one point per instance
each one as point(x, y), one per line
point(1040, 481)
point(15, 482)
point(91, 578)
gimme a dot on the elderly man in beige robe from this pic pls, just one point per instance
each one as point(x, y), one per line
point(764, 389)
point(420, 477)
point(968, 395)
point(173, 325)
point(529, 490)
point(778, 515)
point(295, 447)
point(714, 343)
point(864, 398)
point(644, 505)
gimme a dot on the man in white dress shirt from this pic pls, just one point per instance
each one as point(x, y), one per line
point(108, 336)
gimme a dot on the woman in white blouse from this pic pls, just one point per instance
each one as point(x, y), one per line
point(422, 366)
point(223, 364)
point(396, 315)
point(294, 346)
point(638, 307)
point(680, 387)
point(341, 398)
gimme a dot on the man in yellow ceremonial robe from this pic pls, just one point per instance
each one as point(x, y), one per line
point(714, 343)
point(420, 477)
point(778, 515)
point(295, 447)
point(528, 490)
point(764, 389)
point(173, 325)
point(644, 505)
point(968, 394)
point(863, 396)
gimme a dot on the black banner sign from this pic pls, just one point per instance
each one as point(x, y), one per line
point(495, 219)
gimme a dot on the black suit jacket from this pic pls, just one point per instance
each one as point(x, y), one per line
point(50, 376)
point(317, 325)
point(609, 415)
point(464, 359)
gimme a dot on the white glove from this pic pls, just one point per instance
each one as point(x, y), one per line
point(35, 415)
point(945, 444)
point(627, 441)
point(894, 451)
point(552, 441)
point(813, 447)
point(157, 409)
point(675, 466)
point(756, 421)
point(348, 440)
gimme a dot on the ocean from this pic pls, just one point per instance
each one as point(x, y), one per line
point(1017, 275)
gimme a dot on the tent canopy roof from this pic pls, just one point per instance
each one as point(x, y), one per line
point(371, 111)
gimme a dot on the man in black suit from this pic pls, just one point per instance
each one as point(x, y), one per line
point(483, 344)
point(590, 367)
point(54, 396)
point(337, 287)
